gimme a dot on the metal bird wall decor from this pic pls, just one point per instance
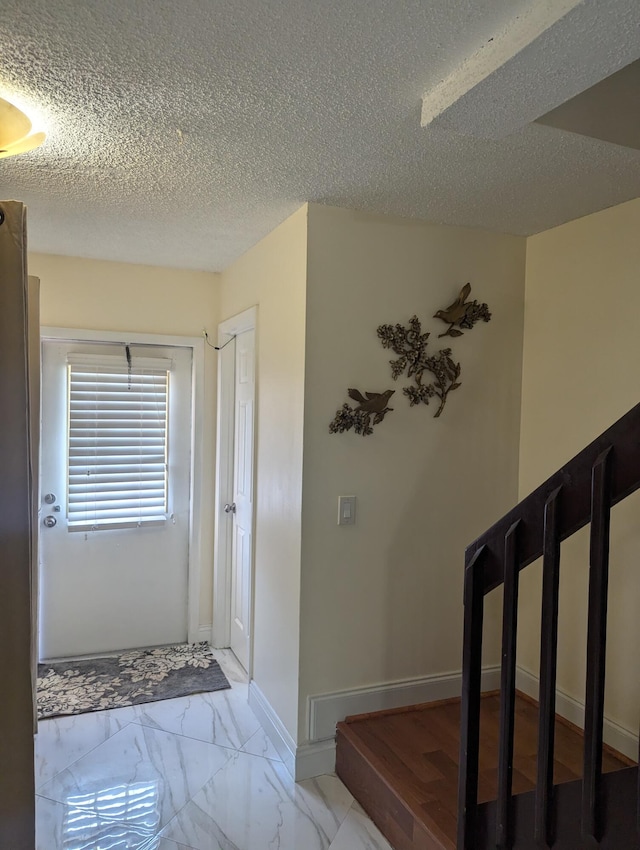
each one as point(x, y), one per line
point(371, 410)
point(411, 344)
point(462, 313)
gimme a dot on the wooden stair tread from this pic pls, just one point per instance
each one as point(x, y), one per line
point(402, 765)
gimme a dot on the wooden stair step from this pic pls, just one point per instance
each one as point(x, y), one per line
point(402, 765)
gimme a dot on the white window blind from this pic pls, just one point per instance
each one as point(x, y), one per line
point(117, 441)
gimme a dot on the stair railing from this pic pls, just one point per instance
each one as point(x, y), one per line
point(581, 492)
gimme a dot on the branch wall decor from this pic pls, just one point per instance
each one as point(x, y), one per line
point(462, 313)
point(411, 344)
point(371, 410)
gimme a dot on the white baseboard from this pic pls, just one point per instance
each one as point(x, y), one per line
point(621, 739)
point(315, 760)
point(319, 756)
point(274, 727)
point(302, 762)
point(204, 634)
point(327, 710)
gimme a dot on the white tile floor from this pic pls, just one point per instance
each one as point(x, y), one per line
point(196, 773)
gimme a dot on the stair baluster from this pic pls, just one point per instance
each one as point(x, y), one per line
point(596, 643)
point(508, 687)
point(548, 668)
point(470, 704)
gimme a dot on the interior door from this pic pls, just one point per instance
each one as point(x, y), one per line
point(114, 576)
point(242, 507)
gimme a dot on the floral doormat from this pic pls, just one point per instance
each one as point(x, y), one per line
point(130, 678)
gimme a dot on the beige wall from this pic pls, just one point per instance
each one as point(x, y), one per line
point(99, 295)
point(382, 600)
point(273, 276)
point(581, 355)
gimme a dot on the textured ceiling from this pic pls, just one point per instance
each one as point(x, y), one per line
point(181, 133)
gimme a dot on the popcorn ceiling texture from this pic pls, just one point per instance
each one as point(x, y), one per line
point(544, 57)
point(181, 133)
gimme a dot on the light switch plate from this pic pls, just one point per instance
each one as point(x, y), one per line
point(347, 510)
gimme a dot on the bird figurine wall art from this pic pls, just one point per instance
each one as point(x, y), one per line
point(462, 313)
point(373, 403)
point(371, 410)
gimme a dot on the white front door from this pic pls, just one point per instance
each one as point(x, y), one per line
point(242, 507)
point(115, 489)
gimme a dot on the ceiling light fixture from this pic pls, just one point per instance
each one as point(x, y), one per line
point(15, 131)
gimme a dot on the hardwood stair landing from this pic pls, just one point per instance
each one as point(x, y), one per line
point(402, 765)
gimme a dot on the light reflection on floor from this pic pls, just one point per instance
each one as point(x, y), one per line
point(136, 805)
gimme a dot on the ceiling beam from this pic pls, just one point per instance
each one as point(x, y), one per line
point(539, 60)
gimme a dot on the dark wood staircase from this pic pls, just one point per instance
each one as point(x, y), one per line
point(499, 770)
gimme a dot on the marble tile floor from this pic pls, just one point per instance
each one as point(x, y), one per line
point(196, 773)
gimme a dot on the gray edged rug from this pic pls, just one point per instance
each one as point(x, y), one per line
point(129, 678)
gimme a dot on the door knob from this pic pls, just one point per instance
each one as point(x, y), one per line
point(230, 508)
point(50, 521)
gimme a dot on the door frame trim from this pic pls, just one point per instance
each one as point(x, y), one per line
point(196, 514)
point(245, 321)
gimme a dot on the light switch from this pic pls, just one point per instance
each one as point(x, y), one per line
point(347, 510)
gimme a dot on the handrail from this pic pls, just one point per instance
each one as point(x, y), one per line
point(582, 491)
point(575, 480)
